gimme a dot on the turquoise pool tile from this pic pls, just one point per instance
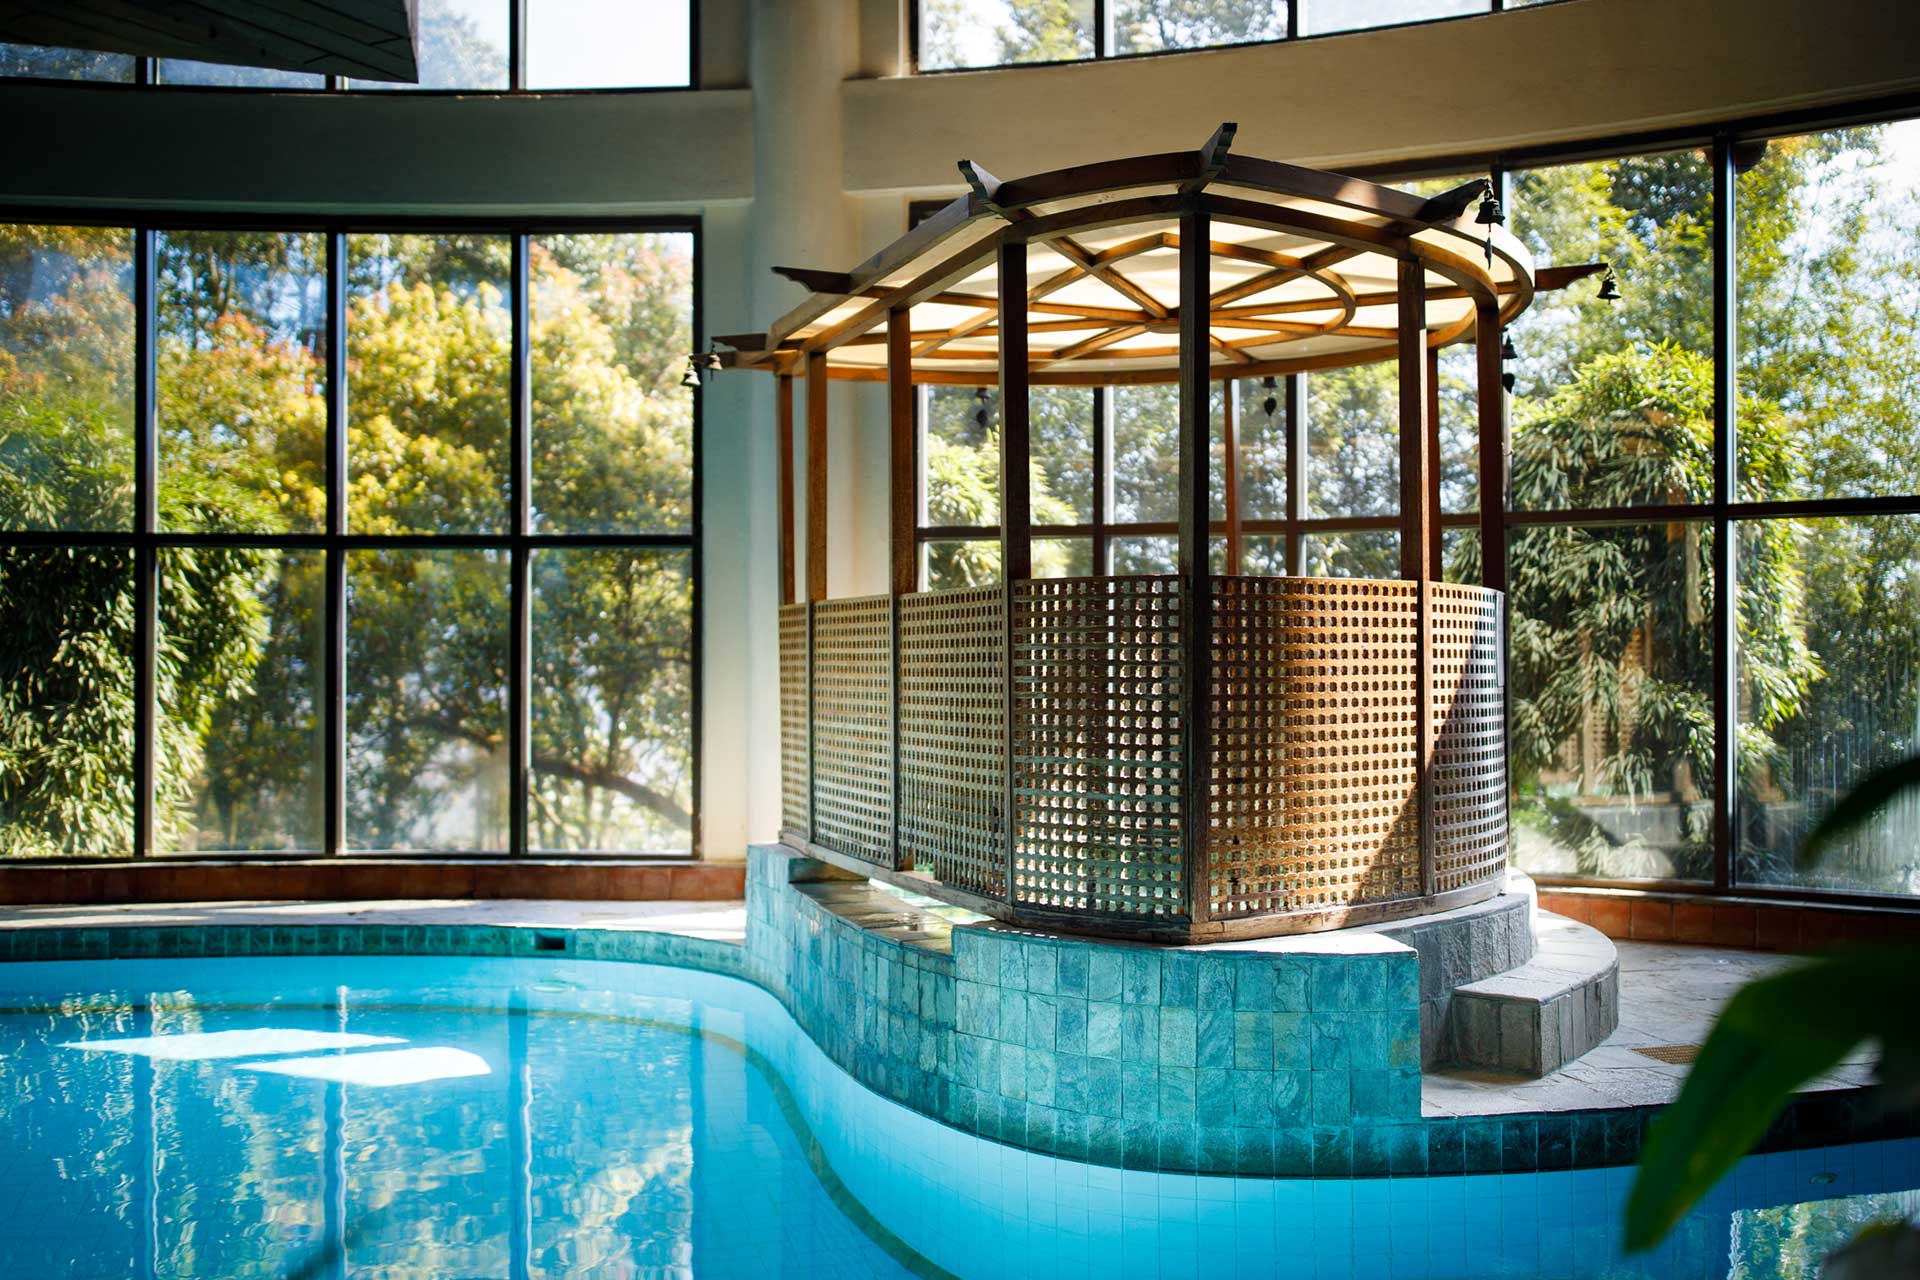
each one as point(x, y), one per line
point(1216, 1038)
point(1332, 1097)
point(1292, 1040)
point(1372, 1095)
point(1332, 990)
point(1253, 1041)
point(1140, 1033)
point(1070, 1082)
point(1290, 986)
point(1179, 980)
point(1013, 963)
point(1103, 1030)
point(1332, 1152)
point(1042, 968)
point(1177, 1094)
point(1139, 1090)
point(1179, 1146)
point(1179, 1030)
point(1290, 1097)
point(1103, 1087)
point(1041, 1022)
point(1293, 1152)
point(1367, 982)
point(1041, 1076)
point(1332, 1049)
point(1216, 984)
point(1070, 1025)
point(1070, 969)
point(1013, 1071)
point(1253, 1098)
point(1140, 970)
point(1253, 985)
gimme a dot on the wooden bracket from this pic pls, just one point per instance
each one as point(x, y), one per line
point(1213, 158)
point(1448, 206)
point(985, 187)
point(818, 281)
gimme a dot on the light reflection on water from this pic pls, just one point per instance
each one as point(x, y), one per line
point(413, 1118)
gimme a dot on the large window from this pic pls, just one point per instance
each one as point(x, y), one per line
point(486, 46)
point(326, 539)
point(955, 34)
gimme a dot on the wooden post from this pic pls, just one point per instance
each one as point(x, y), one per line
point(1230, 466)
point(816, 475)
point(1196, 580)
point(1294, 406)
point(900, 444)
point(1016, 486)
point(1436, 540)
point(1417, 532)
point(1492, 396)
point(783, 452)
point(1416, 517)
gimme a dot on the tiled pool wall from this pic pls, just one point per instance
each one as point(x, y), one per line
point(1302, 1056)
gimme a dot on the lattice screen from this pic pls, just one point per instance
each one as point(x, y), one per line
point(1314, 800)
point(1469, 791)
point(953, 737)
point(853, 727)
point(1096, 709)
point(794, 782)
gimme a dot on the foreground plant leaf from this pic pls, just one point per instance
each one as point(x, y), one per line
point(1774, 1036)
point(1859, 806)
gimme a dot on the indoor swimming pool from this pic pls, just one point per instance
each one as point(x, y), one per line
point(414, 1117)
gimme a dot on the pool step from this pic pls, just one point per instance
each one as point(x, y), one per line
point(1536, 1018)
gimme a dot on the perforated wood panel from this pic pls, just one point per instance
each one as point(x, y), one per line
point(794, 780)
point(953, 737)
point(1469, 789)
point(1314, 801)
point(853, 727)
point(1096, 709)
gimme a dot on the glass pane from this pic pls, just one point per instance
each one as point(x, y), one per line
point(66, 702)
point(609, 44)
point(1459, 429)
point(1146, 453)
point(1353, 441)
point(241, 735)
point(241, 317)
point(1610, 705)
point(612, 701)
point(426, 699)
point(1145, 555)
point(1460, 555)
point(181, 71)
point(66, 378)
point(1063, 557)
point(1322, 16)
point(961, 456)
point(1828, 272)
point(987, 33)
point(1149, 26)
point(48, 63)
point(973, 563)
point(428, 344)
point(1060, 420)
point(1360, 553)
point(1613, 402)
point(1261, 425)
point(1264, 556)
point(612, 323)
point(1830, 688)
point(462, 45)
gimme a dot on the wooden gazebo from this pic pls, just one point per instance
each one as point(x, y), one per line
point(1187, 757)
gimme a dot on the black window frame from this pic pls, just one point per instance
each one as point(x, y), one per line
point(146, 72)
point(146, 540)
point(1102, 37)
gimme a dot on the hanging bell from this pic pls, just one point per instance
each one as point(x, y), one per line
point(1489, 215)
point(1609, 287)
point(1507, 380)
point(1269, 405)
point(1507, 352)
point(691, 378)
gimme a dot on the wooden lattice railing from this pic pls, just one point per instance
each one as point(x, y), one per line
point(1349, 780)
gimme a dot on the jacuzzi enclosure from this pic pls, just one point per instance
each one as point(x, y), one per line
point(1188, 757)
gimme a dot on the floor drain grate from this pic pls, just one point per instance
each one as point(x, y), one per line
point(1679, 1054)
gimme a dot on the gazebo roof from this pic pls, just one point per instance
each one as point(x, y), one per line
point(1303, 264)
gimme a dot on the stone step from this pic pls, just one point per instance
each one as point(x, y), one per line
point(1535, 1018)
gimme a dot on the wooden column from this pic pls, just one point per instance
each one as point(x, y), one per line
point(816, 475)
point(904, 490)
point(1418, 530)
point(1196, 580)
point(783, 453)
point(1016, 485)
point(1491, 395)
point(1293, 400)
point(1436, 540)
point(1416, 515)
point(1230, 466)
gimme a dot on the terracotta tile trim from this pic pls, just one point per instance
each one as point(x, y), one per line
point(1646, 915)
point(349, 880)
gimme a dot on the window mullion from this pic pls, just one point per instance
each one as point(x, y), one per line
point(146, 586)
point(520, 640)
point(334, 679)
point(1725, 598)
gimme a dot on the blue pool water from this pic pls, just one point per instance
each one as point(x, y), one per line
point(381, 1117)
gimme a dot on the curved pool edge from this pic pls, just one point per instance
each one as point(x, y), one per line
point(1521, 1142)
